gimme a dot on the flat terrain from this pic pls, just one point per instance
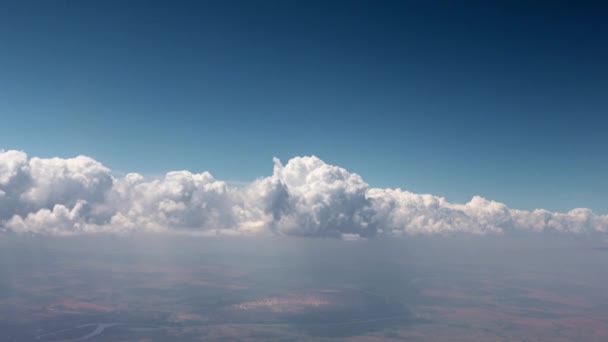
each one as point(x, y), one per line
point(152, 288)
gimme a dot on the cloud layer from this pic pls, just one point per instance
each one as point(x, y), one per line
point(305, 197)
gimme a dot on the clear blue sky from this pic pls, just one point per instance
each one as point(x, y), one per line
point(508, 101)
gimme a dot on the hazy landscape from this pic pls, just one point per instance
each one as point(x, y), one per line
point(153, 288)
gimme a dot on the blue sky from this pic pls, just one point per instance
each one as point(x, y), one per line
point(507, 101)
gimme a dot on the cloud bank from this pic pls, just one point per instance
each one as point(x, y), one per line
point(304, 197)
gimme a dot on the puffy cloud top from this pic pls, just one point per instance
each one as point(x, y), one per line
point(305, 197)
point(180, 200)
point(308, 197)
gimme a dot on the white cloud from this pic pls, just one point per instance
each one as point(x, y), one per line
point(305, 197)
point(65, 181)
point(60, 220)
point(180, 200)
point(14, 180)
point(310, 198)
point(401, 212)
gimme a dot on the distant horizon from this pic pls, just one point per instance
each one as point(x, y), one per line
point(303, 197)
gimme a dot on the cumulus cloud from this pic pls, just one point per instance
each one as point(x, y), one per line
point(311, 198)
point(180, 200)
point(304, 197)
